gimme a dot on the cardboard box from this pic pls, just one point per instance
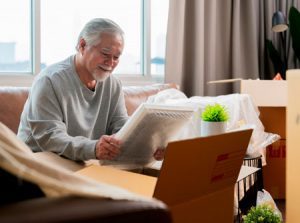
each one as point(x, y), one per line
point(293, 142)
point(274, 172)
point(271, 98)
point(273, 119)
point(196, 179)
point(266, 93)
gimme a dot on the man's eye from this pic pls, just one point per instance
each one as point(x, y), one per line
point(116, 58)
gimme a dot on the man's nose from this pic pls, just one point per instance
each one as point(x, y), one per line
point(109, 61)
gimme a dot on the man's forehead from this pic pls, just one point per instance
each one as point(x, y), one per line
point(111, 50)
point(110, 41)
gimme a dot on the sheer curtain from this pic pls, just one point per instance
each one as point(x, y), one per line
point(213, 40)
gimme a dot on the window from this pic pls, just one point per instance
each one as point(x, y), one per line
point(15, 37)
point(159, 18)
point(60, 28)
point(143, 21)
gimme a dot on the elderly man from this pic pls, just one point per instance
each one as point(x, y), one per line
point(75, 106)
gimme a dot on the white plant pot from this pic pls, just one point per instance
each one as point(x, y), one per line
point(212, 128)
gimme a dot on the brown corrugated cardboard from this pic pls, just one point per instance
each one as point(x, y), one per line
point(274, 172)
point(273, 119)
point(196, 179)
point(293, 153)
point(271, 98)
point(134, 182)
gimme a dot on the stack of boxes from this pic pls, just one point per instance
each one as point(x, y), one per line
point(271, 98)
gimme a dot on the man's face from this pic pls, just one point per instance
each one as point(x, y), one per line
point(100, 60)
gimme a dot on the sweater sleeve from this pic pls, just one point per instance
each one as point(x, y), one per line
point(48, 130)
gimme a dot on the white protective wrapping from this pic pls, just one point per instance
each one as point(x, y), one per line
point(241, 108)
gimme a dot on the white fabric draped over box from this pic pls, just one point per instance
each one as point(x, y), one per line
point(242, 111)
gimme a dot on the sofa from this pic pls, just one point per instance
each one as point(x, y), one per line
point(23, 201)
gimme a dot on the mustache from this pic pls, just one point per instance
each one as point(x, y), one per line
point(107, 68)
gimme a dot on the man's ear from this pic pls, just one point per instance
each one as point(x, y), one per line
point(82, 45)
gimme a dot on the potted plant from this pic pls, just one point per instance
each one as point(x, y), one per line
point(214, 119)
point(262, 213)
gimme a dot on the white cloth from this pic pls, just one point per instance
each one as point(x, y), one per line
point(241, 108)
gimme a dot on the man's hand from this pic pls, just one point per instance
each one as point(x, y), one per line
point(107, 147)
point(159, 154)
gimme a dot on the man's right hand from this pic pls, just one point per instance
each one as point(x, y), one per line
point(107, 147)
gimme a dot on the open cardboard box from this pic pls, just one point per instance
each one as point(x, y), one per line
point(196, 179)
point(271, 98)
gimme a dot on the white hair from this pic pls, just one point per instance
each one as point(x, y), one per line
point(92, 31)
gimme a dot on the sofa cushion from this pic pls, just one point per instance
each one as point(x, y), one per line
point(12, 100)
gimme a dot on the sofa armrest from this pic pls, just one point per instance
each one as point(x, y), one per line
point(77, 209)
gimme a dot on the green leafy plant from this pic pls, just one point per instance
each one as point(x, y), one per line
point(262, 213)
point(215, 113)
point(278, 62)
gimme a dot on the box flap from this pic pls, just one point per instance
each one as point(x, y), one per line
point(195, 167)
point(133, 182)
point(225, 81)
point(266, 93)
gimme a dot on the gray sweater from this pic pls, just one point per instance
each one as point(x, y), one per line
point(63, 116)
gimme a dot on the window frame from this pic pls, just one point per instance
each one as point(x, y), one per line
point(26, 78)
